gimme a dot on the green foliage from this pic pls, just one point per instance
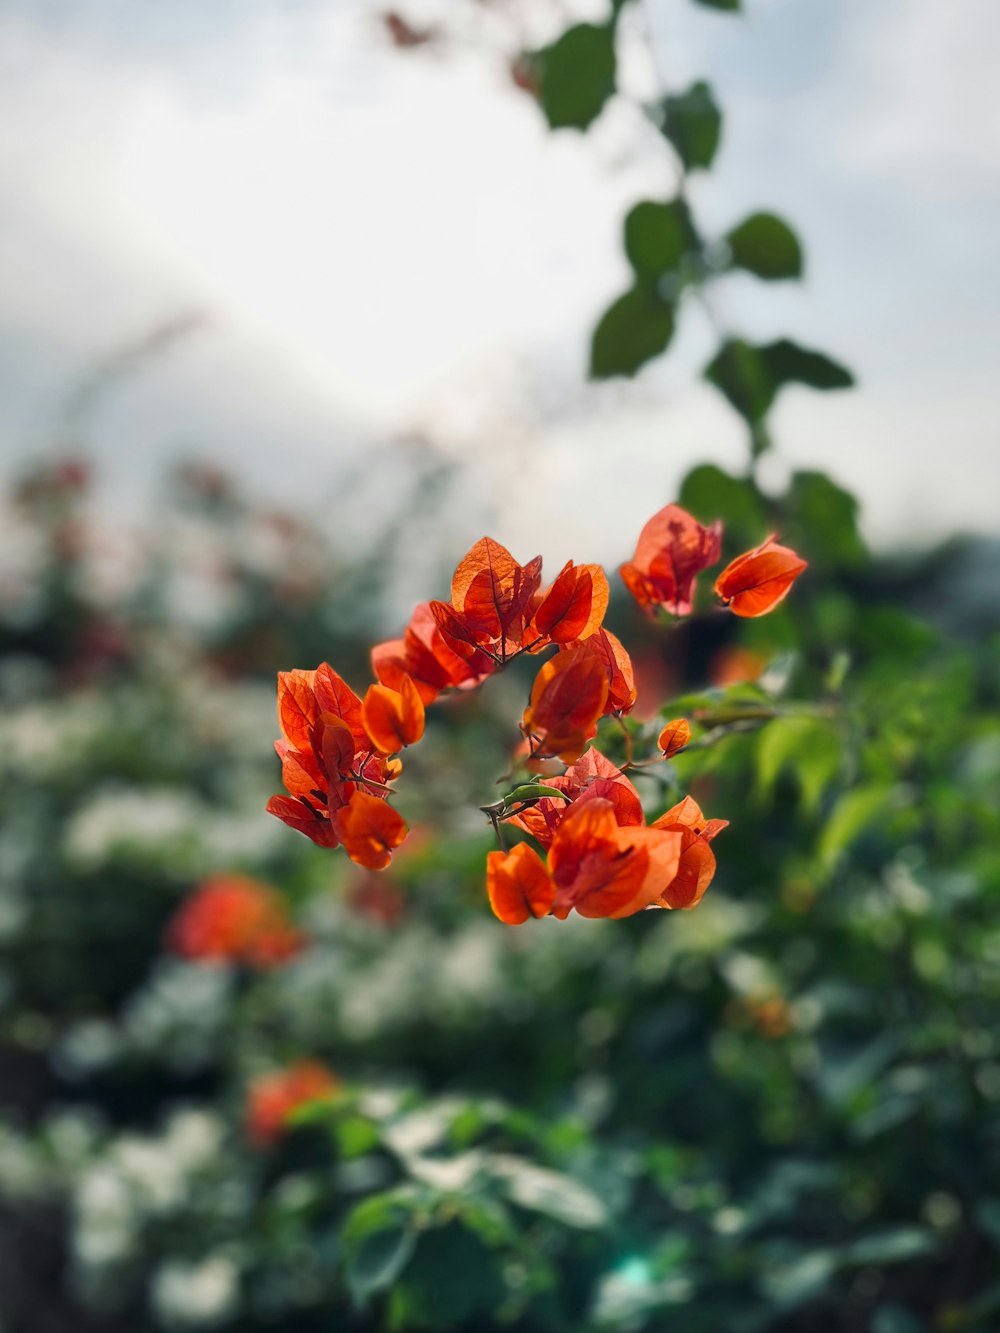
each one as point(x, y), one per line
point(658, 237)
point(576, 75)
point(750, 376)
point(634, 329)
point(766, 246)
point(692, 121)
point(709, 493)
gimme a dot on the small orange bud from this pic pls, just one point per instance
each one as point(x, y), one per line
point(674, 737)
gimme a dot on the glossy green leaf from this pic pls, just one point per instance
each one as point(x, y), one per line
point(658, 236)
point(731, 6)
point(377, 1261)
point(766, 246)
point(576, 75)
point(692, 122)
point(637, 327)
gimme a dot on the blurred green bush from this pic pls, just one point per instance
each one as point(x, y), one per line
point(780, 1111)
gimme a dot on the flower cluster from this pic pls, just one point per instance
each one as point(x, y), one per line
point(236, 919)
point(339, 752)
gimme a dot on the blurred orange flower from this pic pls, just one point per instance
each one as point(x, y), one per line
point(272, 1097)
point(672, 550)
point(234, 918)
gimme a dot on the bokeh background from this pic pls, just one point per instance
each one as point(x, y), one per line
point(297, 302)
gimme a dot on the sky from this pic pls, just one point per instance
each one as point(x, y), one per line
point(356, 244)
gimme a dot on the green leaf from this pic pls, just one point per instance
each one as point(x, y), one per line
point(750, 376)
point(658, 236)
point(709, 493)
point(764, 245)
point(534, 791)
point(637, 327)
point(693, 123)
point(854, 812)
point(576, 75)
point(789, 363)
point(730, 6)
point(452, 1276)
point(377, 1261)
point(806, 744)
point(740, 373)
point(825, 516)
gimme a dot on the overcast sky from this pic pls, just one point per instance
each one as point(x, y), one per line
point(385, 242)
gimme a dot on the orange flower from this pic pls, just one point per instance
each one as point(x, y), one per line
point(735, 665)
point(491, 600)
point(593, 775)
point(617, 670)
point(273, 1097)
point(674, 736)
point(327, 760)
point(236, 918)
point(393, 719)
point(370, 829)
point(597, 865)
point(600, 868)
point(672, 550)
point(518, 885)
point(424, 655)
point(755, 582)
point(567, 698)
point(697, 860)
point(572, 608)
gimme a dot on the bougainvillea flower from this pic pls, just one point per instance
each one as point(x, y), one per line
point(592, 776)
point(755, 582)
point(370, 829)
point(697, 860)
point(273, 1097)
point(672, 550)
point(600, 868)
point(567, 699)
point(491, 602)
point(674, 736)
point(617, 666)
point(424, 655)
point(393, 719)
point(518, 885)
point(572, 608)
point(326, 753)
point(234, 918)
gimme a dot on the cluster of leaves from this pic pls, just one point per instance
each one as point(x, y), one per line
point(673, 262)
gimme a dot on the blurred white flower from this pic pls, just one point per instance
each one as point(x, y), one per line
point(195, 1295)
